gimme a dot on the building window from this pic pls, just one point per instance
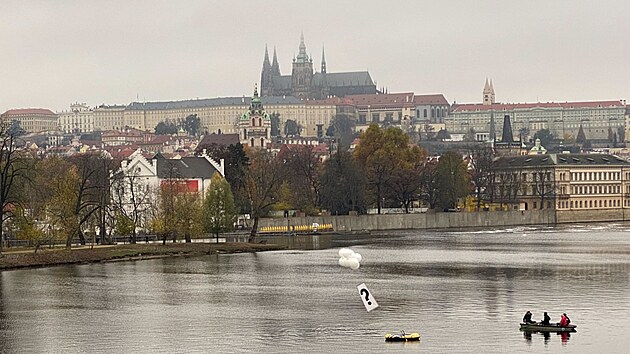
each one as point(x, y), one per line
point(375, 118)
point(425, 113)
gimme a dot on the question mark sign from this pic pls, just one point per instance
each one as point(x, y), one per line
point(367, 295)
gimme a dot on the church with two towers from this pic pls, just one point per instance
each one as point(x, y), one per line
point(307, 84)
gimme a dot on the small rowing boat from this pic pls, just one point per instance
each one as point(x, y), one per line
point(552, 327)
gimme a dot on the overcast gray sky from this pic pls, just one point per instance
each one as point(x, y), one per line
point(53, 53)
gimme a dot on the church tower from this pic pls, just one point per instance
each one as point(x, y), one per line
point(266, 81)
point(254, 126)
point(488, 93)
point(302, 73)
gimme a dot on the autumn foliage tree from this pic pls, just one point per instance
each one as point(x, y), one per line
point(379, 153)
point(406, 179)
point(219, 212)
point(74, 192)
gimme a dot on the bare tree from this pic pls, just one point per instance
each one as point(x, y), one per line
point(262, 179)
point(481, 157)
point(508, 186)
point(131, 197)
point(544, 185)
point(429, 183)
point(13, 167)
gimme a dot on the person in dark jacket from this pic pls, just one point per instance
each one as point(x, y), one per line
point(528, 318)
point(546, 319)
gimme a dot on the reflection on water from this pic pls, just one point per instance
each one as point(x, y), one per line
point(464, 291)
point(302, 242)
point(546, 336)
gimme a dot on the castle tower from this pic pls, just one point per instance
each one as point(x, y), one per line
point(488, 93)
point(266, 81)
point(302, 73)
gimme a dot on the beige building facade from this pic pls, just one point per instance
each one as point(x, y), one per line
point(598, 119)
point(563, 181)
point(33, 120)
point(109, 117)
point(79, 119)
point(217, 115)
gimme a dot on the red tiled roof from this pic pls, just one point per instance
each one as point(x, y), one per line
point(159, 139)
point(321, 148)
point(430, 99)
point(29, 111)
point(512, 106)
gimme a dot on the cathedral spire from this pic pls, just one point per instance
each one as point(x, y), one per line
point(323, 61)
point(266, 63)
point(302, 57)
point(275, 67)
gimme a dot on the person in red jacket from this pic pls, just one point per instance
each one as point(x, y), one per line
point(564, 320)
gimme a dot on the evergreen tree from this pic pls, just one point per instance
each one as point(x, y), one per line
point(581, 137)
point(545, 137)
point(275, 123)
point(166, 128)
point(191, 124)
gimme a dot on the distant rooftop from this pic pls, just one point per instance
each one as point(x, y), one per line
point(29, 111)
point(211, 102)
point(513, 106)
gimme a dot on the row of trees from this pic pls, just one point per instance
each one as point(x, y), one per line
point(384, 170)
point(191, 125)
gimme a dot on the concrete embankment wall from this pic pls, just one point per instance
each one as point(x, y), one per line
point(421, 221)
point(592, 215)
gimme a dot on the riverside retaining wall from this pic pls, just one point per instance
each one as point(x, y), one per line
point(421, 221)
point(570, 216)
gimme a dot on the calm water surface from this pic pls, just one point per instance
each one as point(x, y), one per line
point(464, 291)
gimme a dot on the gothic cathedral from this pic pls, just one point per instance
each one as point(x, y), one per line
point(306, 84)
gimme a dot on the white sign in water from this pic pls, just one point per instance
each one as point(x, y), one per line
point(368, 300)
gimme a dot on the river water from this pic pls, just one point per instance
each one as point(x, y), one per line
point(463, 291)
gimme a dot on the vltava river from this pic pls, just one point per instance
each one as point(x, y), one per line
point(464, 291)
